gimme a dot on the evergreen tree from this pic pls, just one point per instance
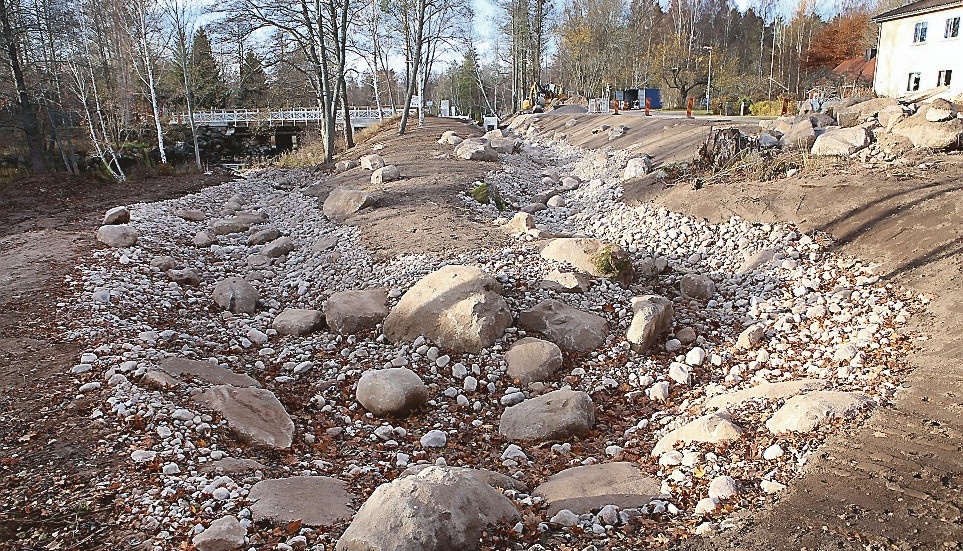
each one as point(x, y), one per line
point(209, 89)
point(253, 88)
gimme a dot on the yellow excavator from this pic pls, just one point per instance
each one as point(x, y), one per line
point(543, 95)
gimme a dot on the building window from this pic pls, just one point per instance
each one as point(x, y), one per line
point(943, 79)
point(952, 28)
point(919, 35)
point(913, 84)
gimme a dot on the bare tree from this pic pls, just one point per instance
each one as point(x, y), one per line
point(26, 107)
point(142, 24)
point(181, 23)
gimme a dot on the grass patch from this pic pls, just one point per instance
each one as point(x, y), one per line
point(609, 263)
point(311, 154)
point(487, 195)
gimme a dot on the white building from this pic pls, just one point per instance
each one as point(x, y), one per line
point(920, 47)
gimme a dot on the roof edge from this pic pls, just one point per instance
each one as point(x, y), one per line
point(895, 14)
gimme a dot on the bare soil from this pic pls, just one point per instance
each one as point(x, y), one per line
point(424, 212)
point(55, 464)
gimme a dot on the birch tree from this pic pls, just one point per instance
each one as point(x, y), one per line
point(143, 18)
point(181, 20)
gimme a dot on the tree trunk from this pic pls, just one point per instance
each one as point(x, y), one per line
point(348, 130)
point(415, 66)
point(27, 110)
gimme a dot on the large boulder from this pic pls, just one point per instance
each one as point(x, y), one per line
point(117, 215)
point(372, 162)
point(239, 223)
point(277, 248)
point(476, 150)
point(191, 215)
point(236, 295)
point(771, 391)
point(715, 428)
point(697, 287)
point(940, 110)
point(566, 282)
point(349, 312)
point(391, 392)
point(263, 236)
point(312, 500)
point(800, 136)
point(450, 138)
point(437, 509)
point(254, 414)
point(587, 488)
point(504, 146)
point(858, 113)
point(806, 412)
point(568, 327)
point(652, 317)
point(558, 415)
point(531, 359)
point(206, 372)
point(637, 167)
point(117, 235)
point(224, 534)
point(891, 116)
point(345, 165)
point(385, 174)
point(592, 256)
point(343, 202)
point(842, 141)
point(183, 277)
point(457, 307)
point(204, 238)
point(931, 135)
point(298, 321)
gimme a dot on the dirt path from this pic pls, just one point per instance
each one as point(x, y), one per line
point(55, 462)
point(423, 213)
point(897, 482)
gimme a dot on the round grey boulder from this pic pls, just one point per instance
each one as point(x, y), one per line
point(119, 235)
point(117, 215)
point(532, 359)
point(697, 286)
point(236, 295)
point(558, 415)
point(391, 392)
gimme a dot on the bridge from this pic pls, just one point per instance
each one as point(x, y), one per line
point(361, 117)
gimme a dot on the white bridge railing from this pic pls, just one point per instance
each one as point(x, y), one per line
point(360, 116)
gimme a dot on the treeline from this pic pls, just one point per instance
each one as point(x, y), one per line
point(590, 47)
point(86, 80)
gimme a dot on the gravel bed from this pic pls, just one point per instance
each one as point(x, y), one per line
point(825, 317)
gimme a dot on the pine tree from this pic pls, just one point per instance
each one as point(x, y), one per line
point(209, 88)
point(253, 88)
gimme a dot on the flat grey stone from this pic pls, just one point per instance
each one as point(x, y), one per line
point(313, 500)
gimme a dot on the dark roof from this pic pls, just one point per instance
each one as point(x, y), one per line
point(917, 8)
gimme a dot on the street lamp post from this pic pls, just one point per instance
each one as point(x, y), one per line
point(709, 82)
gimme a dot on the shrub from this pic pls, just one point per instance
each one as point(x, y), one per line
point(771, 108)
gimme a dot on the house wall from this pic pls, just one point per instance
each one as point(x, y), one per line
point(899, 56)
